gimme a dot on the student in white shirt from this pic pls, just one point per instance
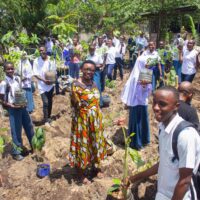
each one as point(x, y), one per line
point(49, 46)
point(18, 115)
point(151, 53)
point(141, 43)
point(120, 53)
point(110, 59)
point(41, 65)
point(190, 63)
point(174, 176)
point(27, 74)
point(97, 59)
point(101, 50)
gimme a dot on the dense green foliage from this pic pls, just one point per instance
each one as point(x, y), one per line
point(66, 17)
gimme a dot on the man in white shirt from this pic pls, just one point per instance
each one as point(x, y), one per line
point(97, 59)
point(18, 115)
point(110, 59)
point(41, 65)
point(120, 53)
point(190, 63)
point(49, 46)
point(141, 43)
point(174, 176)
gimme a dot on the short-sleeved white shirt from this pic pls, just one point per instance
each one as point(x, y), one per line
point(189, 61)
point(120, 51)
point(97, 59)
point(149, 54)
point(189, 157)
point(27, 72)
point(41, 66)
point(111, 54)
point(13, 84)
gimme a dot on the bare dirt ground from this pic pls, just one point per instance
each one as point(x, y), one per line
point(20, 180)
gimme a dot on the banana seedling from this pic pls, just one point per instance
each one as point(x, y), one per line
point(136, 158)
point(38, 142)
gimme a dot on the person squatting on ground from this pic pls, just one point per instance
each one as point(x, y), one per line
point(88, 142)
point(18, 115)
point(41, 65)
point(174, 175)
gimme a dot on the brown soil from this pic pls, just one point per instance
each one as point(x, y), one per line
point(19, 178)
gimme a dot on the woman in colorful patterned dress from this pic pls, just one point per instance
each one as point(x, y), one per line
point(88, 143)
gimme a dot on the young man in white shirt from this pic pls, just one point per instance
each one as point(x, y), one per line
point(18, 115)
point(120, 53)
point(49, 46)
point(174, 176)
point(110, 59)
point(41, 65)
point(189, 59)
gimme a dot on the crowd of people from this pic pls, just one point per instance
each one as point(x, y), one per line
point(172, 70)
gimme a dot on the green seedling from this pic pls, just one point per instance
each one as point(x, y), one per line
point(136, 158)
point(38, 142)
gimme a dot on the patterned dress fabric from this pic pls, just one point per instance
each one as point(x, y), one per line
point(88, 143)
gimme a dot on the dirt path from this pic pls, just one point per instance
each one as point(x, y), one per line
point(21, 182)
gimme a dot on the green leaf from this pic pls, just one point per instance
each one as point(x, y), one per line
point(116, 181)
point(136, 158)
point(113, 188)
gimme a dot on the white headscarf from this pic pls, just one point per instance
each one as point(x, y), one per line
point(129, 91)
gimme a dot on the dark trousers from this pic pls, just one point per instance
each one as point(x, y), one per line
point(103, 77)
point(118, 65)
point(20, 118)
point(47, 100)
point(186, 77)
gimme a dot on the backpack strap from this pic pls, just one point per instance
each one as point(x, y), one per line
point(182, 125)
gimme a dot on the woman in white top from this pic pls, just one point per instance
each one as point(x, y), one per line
point(135, 95)
point(189, 59)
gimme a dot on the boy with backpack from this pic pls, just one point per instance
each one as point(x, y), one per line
point(179, 150)
point(18, 115)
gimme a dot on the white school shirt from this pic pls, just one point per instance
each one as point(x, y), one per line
point(118, 49)
point(189, 157)
point(142, 41)
point(111, 54)
point(95, 58)
point(189, 62)
point(27, 72)
point(39, 68)
point(116, 42)
point(13, 84)
point(101, 50)
point(49, 46)
point(152, 55)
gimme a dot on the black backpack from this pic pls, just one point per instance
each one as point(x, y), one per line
point(195, 177)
